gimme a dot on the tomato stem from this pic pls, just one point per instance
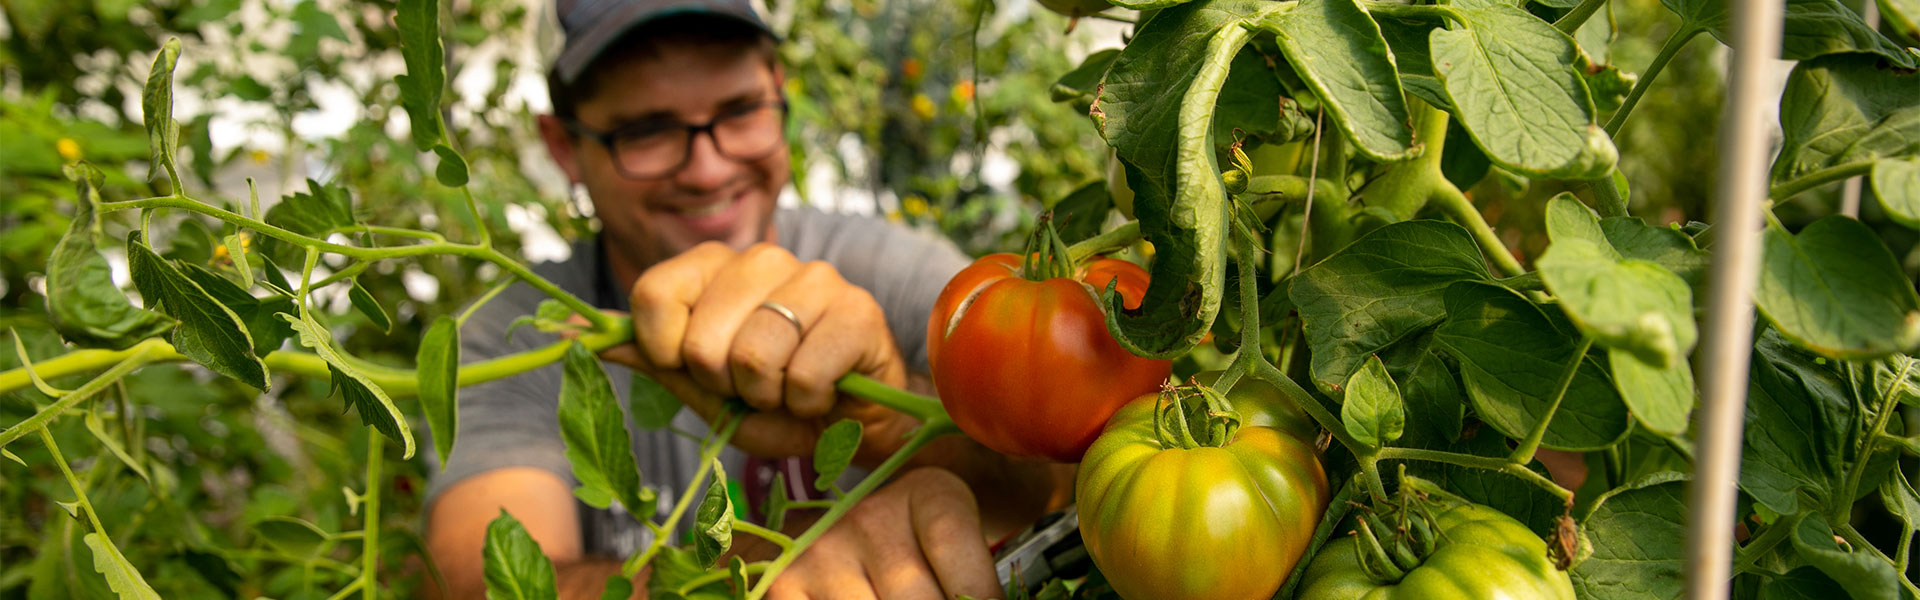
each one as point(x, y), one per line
point(1524, 453)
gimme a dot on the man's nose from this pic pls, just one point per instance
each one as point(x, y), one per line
point(706, 169)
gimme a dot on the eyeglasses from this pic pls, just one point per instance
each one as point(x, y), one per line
point(655, 149)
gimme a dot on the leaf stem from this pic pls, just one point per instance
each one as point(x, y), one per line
point(782, 540)
point(484, 298)
point(1606, 197)
point(79, 489)
point(1759, 546)
point(1479, 462)
point(1668, 50)
point(352, 587)
point(662, 534)
point(926, 434)
point(1111, 240)
point(1793, 187)
point(1889, 405)
point(135, 357)
point(1572, 21)
point(711, 577)
point(370, 543)
point(1524, 453)
point(1449, 200)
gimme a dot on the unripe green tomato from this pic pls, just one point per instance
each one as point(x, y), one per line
point(1480, 553)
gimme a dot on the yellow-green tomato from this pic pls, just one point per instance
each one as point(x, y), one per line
point(1479, 553)
point(1261, 404)
point(1206, 523)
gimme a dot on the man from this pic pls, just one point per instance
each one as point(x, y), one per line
point(670, 114)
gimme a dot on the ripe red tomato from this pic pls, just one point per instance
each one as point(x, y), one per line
point(1027, 367)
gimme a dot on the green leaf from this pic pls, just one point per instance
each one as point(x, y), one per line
point(113, 445)
point(1898, 377)
point(1898, 495)
point(1339, 52)
point(1902, 16)
point(1082, 84)
point(82, 302)
point(236, 246)
point(259, 314)
point(1844, 109)
point(1812, 28)
point(426, 76)
point(618, 588)
point(356, 389)
point(1631, 305)
point(364, 302)
point(1639, 534)
point(1156, 109)
point(714, 518)
point(1436, 405)
point(598, 443)
point(438, 362)
point(121, 576)
point(209, 332)
point(737, 574)
point(1799, 418)
point(1081, 214)
point(321, 209)
point(653, 405)
point(834, 452)
point(1512, 355)
point(1665, 246)
point(1512, 81)
point(515, 568)
point(1863, 575)
point(452, 171)
point(1836, 289)
point(1897, 184)
point(1804, 583)
point(156, 110)
point(776, 506)
point(1385, 287)
point(1660, 398)
point(296, 537)
point(1372, 411)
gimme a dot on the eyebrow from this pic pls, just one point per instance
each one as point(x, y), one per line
point(654, 117)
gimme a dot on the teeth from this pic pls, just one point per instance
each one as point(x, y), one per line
point(709, 210)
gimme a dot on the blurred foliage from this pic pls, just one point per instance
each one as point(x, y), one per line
point(935, 112)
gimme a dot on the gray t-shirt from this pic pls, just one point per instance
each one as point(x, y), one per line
point(513, 421)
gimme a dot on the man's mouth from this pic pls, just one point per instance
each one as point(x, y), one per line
point(714, 219)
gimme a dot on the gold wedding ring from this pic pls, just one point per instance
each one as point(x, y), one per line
point(783, 311)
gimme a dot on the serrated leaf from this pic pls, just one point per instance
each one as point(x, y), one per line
point(1338, 50)
point(258, 314)
point(515, 568)
point(1863, 575)
point(1639, 536)
point(1812, 28)
point(83, 304)
point(375, 407)
point(209, 332)
point(121, 576)
point(1896, 182)
point(1845, 109)
point(452, 171)
point(1512, 80)
point(1836, 289)
point(1898, 495)
point(1372, 410)
point(320, 209)
point(296, 537)
point(1512, 356)
point(653, 405)
point(834, 452)
point(426, 76)
point(598, 443)
point(1080, 215)
point(1799, 413)
point(714, 519)
point(363, 301)
point(113, 445)
point(1385, 287)
point(438, 362)
point(156, 110)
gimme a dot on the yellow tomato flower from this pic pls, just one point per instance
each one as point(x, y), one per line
point(923, 106)
point(69, 149)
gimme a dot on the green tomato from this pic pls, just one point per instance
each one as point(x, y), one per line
point(1478, 553)
point(1262, 405)
point(1204, 523)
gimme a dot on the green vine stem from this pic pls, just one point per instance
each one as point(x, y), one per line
point(1112, 240)
point(1479, 462)
point(782, 540)
point(1524, 453)
point(931, 430)
point(1668, 50)
point(1572, 21)
point(475, 251)
point(1846, 531)
point(125, 362)
point(370, 502)
point(1455, 204)
point(712, 577)
point(708, 454)
point(79, 489)
point(1793, 187)
point(1869, 444)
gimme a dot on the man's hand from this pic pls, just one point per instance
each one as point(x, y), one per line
point(700, 329)
point(917, 538)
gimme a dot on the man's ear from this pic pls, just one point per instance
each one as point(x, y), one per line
point(560, 146)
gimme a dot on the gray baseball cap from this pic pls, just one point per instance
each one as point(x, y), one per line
point(591, 26)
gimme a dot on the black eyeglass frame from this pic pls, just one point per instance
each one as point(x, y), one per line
point(606, 138)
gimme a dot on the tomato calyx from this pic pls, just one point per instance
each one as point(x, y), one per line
point(1194, 416)
point(1047, 254)
point(1397, 539)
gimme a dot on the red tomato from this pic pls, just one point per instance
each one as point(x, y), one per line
point(1027, 368)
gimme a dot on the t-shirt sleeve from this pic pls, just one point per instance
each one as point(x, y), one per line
point(507, 422)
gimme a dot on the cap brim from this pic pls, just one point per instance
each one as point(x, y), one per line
point(581, 50)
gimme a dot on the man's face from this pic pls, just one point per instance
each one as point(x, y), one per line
point(711, 197)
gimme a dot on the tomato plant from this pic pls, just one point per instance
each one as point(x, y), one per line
point(1021, 355)
point(1184, 500)
point(1438, 549)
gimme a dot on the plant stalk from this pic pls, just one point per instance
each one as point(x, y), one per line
point(370, 502)
point(1793, 187)
point(1524, 453)
point(1479, 462)
point(1111, 240)
point(1449, 200)
point(1668, 50)
point(1572, 21)
point(135, 357)
point(661, 535)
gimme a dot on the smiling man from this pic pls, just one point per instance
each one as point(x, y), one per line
point(671, 115)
